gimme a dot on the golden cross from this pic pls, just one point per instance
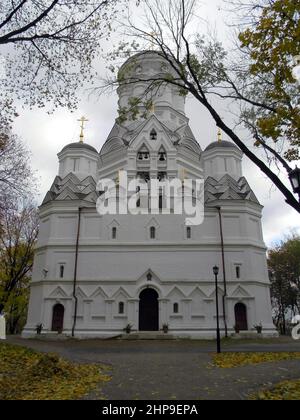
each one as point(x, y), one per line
point(219, 135)
point(153, 35)
point(152, 109)
point(82, 120)
point(183, 174)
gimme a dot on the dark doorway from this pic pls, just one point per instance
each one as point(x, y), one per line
point(148, 310)
point(58, 318)
point(241, 317)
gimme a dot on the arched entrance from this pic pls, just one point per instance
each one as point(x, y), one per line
point(241, 321)
point(58, 317)
point(148, 310)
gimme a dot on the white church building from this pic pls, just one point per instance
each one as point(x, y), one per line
point(96, 274)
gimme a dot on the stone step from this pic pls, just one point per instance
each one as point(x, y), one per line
point(51, 337)
point(147, 335)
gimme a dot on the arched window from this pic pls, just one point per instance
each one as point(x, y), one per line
point(176, 308)
point(162, 156)
point(160, 202)
point(153, 135)
point(121, 308)
point(144, 176)
point(152, 232)
point(61, 271)
point(238, 271)
point(162, 176)
point(189, 232)
point(143, 154)
point(114, 233)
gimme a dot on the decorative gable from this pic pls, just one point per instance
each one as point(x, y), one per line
point(58, 293)
point(143, 135)
point(176, 292)
point(71, 188)
point(227, 188)
point(240, 292)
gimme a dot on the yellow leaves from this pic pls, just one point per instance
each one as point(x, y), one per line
point(272, 42)
point(232, 360)
point(274, 39)
point(257, 143)
point(284, 391)
point(28, 375)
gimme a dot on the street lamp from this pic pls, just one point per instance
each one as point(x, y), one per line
point(216, 272)
point(294, 176)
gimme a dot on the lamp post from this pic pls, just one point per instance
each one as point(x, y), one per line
point(294, 176)
point(216, 272)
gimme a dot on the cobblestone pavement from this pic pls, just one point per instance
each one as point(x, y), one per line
point(170, 370)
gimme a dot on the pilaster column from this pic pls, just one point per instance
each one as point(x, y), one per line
point(109, 311)
point(163, 311)
point(186, 310)
point(133, 313)
point(87, 311)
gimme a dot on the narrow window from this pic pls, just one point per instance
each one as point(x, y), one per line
point(114, 233)
point(61, 271)
point(226, 166)
point(152, 232)
point(160, 202)
point(75, 165)
point(144, 176)
point(162, 176)
point(121, 308)
point(176, 308)
point(153, 135)
point(189, 232)
point(238, 271)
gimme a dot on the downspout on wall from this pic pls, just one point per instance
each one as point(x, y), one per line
point(224, 271)
point(75, 272)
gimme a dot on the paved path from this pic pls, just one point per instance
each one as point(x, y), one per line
point(157, 370)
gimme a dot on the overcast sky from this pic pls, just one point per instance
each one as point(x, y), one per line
point(45, 135)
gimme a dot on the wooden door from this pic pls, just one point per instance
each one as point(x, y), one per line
point(148, 310)
point(241, 317)
point(58, 318)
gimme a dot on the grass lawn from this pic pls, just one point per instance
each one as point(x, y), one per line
point(232, 360)
point(29, 375)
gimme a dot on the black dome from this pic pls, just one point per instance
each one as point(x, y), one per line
point(223, 143)
point(79, 145)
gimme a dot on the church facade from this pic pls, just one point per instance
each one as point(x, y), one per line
point(94, 274)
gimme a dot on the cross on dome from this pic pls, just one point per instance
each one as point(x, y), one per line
point(82, 120)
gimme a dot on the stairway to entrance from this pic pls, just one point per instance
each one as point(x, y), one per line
point(147, 335)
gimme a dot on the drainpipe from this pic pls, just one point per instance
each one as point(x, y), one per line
point(224, 271)
point(75, 272)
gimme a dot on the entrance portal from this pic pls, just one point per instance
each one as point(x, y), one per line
point(58, 318)
point(241, 317)
point(148, 310)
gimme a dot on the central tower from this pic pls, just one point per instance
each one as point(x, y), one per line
point(141, 78)
point(152, 137)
